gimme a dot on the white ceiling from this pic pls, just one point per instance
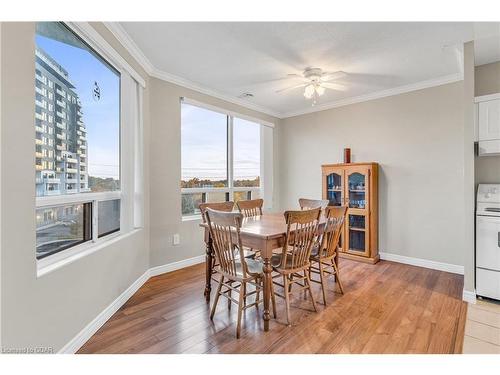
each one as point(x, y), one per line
point(229, 59)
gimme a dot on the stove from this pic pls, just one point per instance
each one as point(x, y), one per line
point(488, 241)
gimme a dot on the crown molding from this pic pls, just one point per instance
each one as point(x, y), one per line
point(119, 33)
point(124, 38)
point(379, 94)
point(164, 76)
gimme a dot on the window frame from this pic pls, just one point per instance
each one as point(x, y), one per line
point(230, 189)
point(131, 159)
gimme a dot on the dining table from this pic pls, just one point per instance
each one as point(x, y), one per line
point(265, 233)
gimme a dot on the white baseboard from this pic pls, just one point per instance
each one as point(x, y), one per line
point(158, 270)
point(453, 268)
point(469, 296)
point(85, 334)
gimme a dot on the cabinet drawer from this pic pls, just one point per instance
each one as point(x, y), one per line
point(488, 283)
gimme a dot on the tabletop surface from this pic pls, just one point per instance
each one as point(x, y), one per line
point(268, 225)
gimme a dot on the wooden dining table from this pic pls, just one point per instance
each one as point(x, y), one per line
point(265, 233)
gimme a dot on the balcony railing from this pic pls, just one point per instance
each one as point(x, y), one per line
point(40, 91)
point(52, 180)
point(61, 125)
point(52, 192)
point(71, 170)
point(71, 160)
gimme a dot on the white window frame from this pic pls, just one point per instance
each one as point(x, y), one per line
point(131, 158)
point(231, 189)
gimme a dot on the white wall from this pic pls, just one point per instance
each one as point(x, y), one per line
point(165, 156)
point(417, 138)
point(49, 310)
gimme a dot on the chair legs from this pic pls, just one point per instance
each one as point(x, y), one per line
point(320, 269)
point(241, 301)
point(337, 276)
point(286, 291)
point(322, 280)
point(308, 281)
point(217, 295)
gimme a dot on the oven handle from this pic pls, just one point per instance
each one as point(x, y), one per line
point(498, 239)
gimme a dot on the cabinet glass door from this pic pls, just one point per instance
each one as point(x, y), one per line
point(334, 186)
point(357, 225)
point(357, 230)
point(356, 184)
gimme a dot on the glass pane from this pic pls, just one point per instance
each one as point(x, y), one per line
point(357, 190)
point(357, 221)
point(108, 217)
point(214, 197)
point(203, 148)
point(255, 194)
point(60, 227)
point(357, 240)
point(242, 196)
point(190, 203)
point(334, 189)
point(246, 153)
point(77, 115)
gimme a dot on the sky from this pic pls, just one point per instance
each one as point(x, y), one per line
point(204, 138)
point(101, 118)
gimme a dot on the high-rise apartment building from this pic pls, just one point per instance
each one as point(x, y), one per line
point(61, 137)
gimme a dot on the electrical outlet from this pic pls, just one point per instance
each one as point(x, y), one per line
point(176, 239)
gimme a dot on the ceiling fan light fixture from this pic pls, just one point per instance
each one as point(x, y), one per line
point(309, 91)
point(320, 90)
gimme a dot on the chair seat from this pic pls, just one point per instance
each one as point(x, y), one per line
point(255, 267)
point(276, 261)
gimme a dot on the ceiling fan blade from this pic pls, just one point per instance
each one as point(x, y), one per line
point(288, 76)
point(334, 86)
point(292, 87)
point(325, 77)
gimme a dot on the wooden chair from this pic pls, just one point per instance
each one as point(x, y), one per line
point(309, 204)
point(323, 254)
point(225, 207)
point(292, 265)
point(235, 270)
point(251, 207)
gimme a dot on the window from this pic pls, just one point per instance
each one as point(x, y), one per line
point(220, 158)
point(78, 99)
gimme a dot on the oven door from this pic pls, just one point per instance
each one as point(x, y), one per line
point(488, 242)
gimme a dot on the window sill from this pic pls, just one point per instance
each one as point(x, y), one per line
point(81, 251)
point(191, 218)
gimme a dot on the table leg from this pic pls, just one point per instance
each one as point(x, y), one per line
point(208, 270)
point(267, 291)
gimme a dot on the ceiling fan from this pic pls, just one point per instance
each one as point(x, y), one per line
point(315, 82)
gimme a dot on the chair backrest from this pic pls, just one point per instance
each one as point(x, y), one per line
point(226, 241)
point(219, 206)
point(302, 228)
point(251, 207)
point(309, 204)
point(335, 218)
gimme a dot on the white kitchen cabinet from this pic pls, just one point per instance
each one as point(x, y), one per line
point(489, 120)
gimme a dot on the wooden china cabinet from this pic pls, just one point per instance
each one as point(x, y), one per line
point(355, 185)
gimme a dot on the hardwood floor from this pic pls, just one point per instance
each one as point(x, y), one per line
point(388, 308)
